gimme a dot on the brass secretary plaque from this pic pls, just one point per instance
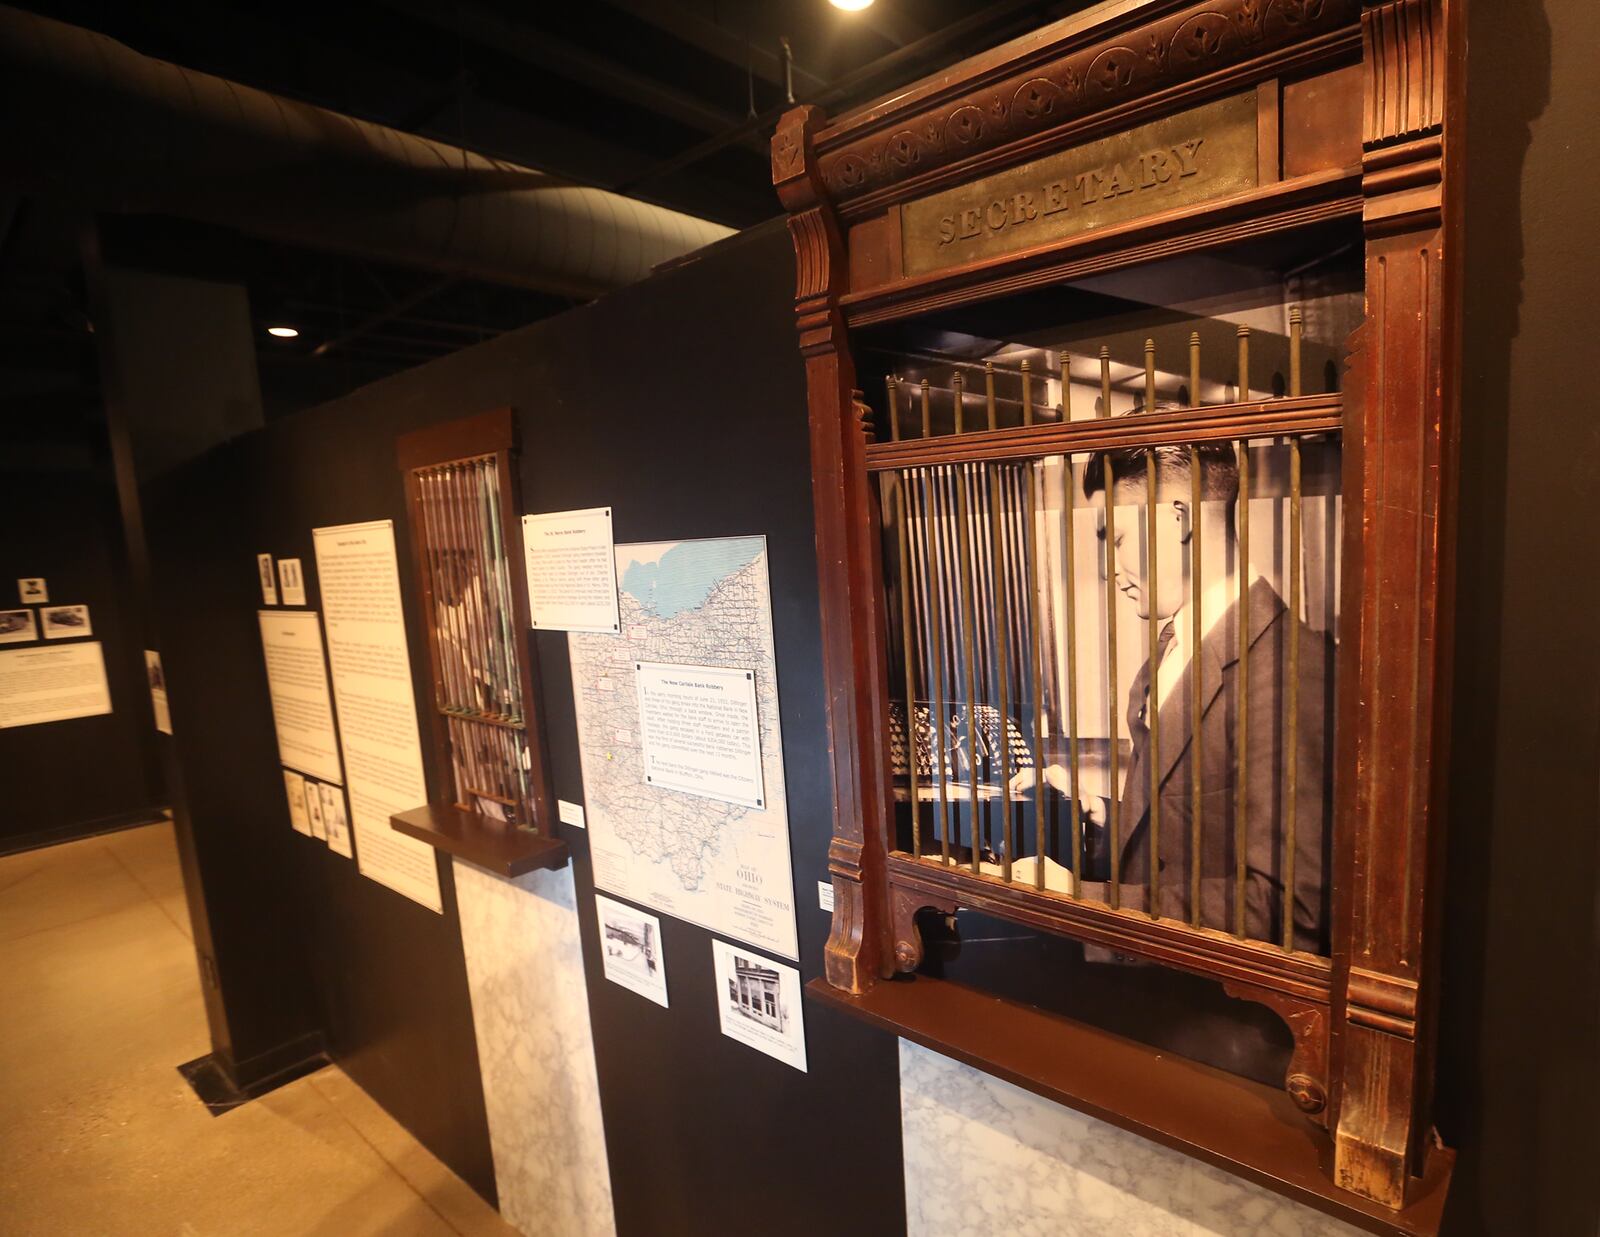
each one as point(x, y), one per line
point(1206, 152)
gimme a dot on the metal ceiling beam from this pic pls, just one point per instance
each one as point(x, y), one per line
point(716, 40)
point(566, 60)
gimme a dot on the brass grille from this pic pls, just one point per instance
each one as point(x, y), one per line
point(478, 683)
point(1174, 761)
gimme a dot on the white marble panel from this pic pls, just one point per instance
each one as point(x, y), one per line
point(984, 1157)
point(531, 1013)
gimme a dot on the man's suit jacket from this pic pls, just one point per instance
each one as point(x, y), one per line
point(1262, 787)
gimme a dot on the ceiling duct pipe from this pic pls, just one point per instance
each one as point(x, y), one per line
point(91, 121)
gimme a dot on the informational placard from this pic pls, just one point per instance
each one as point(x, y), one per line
point(758, 1001)
point(572, 576)
point(53, 683)
point(157, 678)
point(360, 582)
point(698, 732)
point(717, 862)
point(294, 787)
point(291, 582)
point(269, 580)
point(630, 949)
point(33, 591)
point(298, 682)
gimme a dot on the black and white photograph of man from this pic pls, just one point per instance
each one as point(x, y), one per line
point(1199, 650)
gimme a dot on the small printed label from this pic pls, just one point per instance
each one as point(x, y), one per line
point(570, 813)
point(825, 895)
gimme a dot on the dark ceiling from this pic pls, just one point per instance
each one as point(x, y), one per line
point(671, 101)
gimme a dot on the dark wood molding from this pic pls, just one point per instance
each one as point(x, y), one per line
point(1358, 98)
point(1047, 87)
point(1272, 209)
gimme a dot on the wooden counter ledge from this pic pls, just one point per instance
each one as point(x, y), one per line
point(496, 848)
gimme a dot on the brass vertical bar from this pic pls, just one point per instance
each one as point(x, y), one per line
point(1291, 769)
point(1002, 640)
point(927, 412)
point(892, 389)
point(1036, 670)
point(458, 535)
point(901, 480)
point(988, 395)
point(1066, 386)
point(1115, 791)
point(472, 523)
point(1152, 694)
point(1149, 375)
point(1194, 369)
point(1242, 692)
point(1296, 330)
point(938, 715)
point(500, 637)
point(1027, 394)
point(968, 633)
point(1197, 622)
point(1241, 824)
point(460, 691)
point(442, 694)
point(1072, 681)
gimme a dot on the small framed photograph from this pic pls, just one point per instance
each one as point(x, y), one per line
point(758, 1001)
point(17, 627)
point(32, 591)
point(291, 583)
point(630, 944)
point(269, 580)
point(66, 622)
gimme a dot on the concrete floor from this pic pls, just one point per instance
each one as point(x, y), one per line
point(99, 1003)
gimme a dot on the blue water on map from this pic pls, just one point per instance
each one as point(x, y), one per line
point(683, 577)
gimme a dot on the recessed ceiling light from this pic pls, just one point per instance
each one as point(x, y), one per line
point(283, 332)
point(851, 6)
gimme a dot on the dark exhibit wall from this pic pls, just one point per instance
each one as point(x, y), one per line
point(84, 775)
point(1520, 1047)
point(680, 404)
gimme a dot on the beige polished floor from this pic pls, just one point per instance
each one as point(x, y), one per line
point(99, 1003)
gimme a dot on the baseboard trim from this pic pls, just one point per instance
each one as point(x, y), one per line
point(222, 1086)
point(80, 830)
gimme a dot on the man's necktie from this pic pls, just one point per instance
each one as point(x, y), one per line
point(1139, 693)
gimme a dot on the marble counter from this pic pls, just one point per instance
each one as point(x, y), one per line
point(531, 1013)
point(984, 1157)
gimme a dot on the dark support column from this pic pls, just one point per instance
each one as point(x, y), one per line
point(178, 371)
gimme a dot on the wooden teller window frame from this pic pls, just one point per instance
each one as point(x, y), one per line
point(489, 757)
point(1019, 171)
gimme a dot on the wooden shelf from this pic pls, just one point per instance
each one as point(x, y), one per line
point(1241, 1126)
point(496, 848)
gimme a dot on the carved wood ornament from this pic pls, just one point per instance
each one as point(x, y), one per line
point(1364, 1018)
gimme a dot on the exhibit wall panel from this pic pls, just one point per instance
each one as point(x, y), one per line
point(680, 404)
point(66, 779)
point(1519, 1078)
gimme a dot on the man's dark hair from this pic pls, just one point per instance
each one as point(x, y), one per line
point(1219, 467)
